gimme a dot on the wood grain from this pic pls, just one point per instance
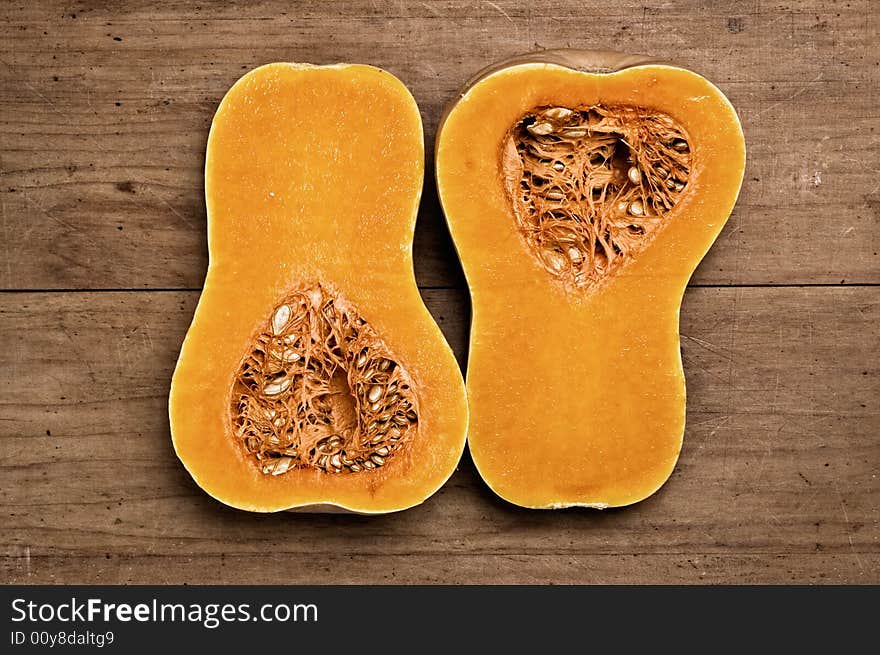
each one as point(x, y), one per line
point(777, 480)
point(104, 112)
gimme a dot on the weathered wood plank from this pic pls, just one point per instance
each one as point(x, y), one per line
point(777, 481)
point(438, 568)
point(104, 114)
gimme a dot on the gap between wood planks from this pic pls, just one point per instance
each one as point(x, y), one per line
point(805, 285)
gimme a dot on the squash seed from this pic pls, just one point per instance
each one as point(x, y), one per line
point(280, 319)
point(559, 113)
point(636, 208)
point(540, 128)
point(274, 388)
point(554, 260)
point(278, 466)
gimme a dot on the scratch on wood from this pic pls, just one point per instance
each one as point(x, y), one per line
point(169, 205)
point(794, 95)
point(48, 215)
point(720, 425)
point(499, 10)
point(852, 546)
point(707, 346)
point(80, 353)
point(30, 88)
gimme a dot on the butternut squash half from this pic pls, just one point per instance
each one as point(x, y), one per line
point(313, 376)
point(582, 189)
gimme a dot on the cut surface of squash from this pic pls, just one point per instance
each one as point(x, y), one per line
point(581, 190)
point(312, 376)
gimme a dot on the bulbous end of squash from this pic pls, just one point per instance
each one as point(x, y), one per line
point(313, 377)
point(582, 189)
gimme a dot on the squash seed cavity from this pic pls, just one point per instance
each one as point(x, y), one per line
point(590, 187)
point(319, 389)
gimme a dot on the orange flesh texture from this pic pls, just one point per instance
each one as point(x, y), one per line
point(313, 174)
point(578, 397)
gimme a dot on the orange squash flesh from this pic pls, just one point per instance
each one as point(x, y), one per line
point(577, 396)
point(313, 175)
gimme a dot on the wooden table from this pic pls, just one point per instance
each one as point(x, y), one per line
point(104, 117)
